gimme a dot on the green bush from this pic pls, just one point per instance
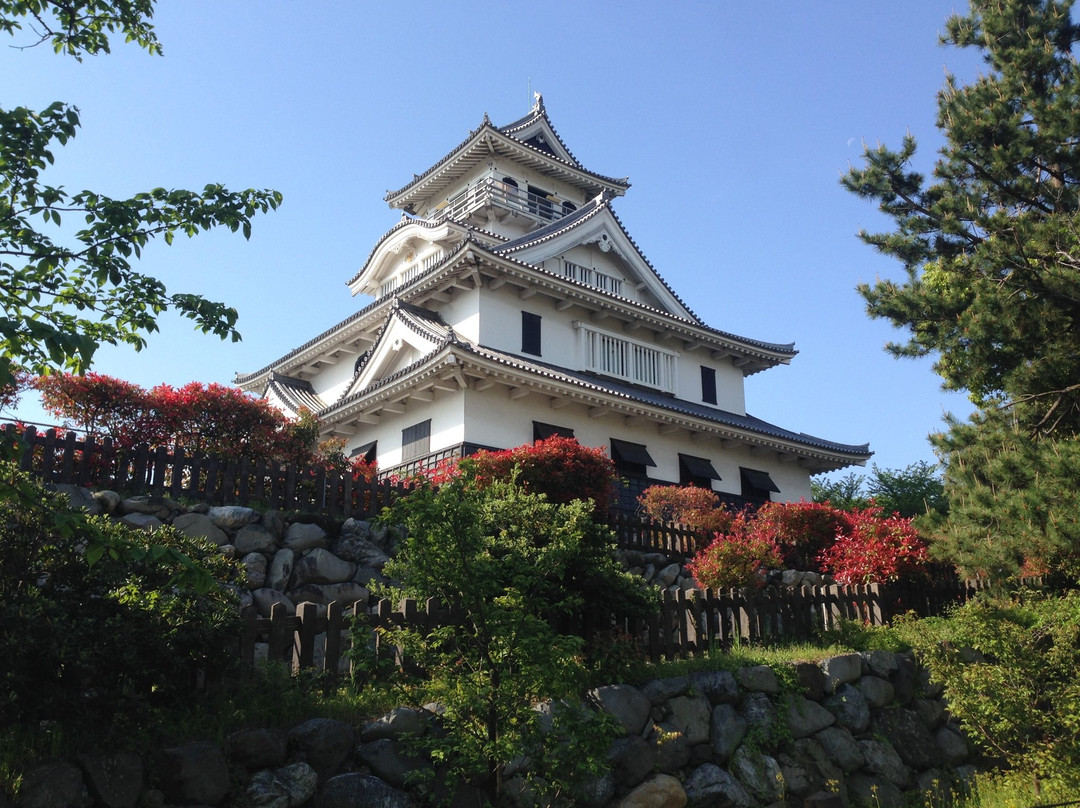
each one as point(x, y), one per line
point(1009, 667)
point(102, 624)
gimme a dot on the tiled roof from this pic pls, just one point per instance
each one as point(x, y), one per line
point(296, 393)
point(536, 113)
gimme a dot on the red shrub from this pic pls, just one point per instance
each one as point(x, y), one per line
point(735, 559)
point(802, 530)
point(877, 549)
point(698, 509)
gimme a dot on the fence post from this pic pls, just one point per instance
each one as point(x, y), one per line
point(304, 641)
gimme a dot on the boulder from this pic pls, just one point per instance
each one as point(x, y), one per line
point(254, 565)
point(194, 774)
point(281, 567)
point(388, 761)
point(626, 704)
point(632, 759)
point(850, 708)
point(324, 743)
point(726, 731)
point(232, 517)
point(200, 526)
point(145, 522)
point(301, 537)
point(115, 780)
point(840, 670)
point(320, 566)
point(709, 785)
point(759, 774)
point(841, 748)
point(351, 790)
point(882, 759)
point(257, 748)
point(719, 687)
point(264, 600)
point(908, 735)
point(397, 722)
point(659, 791)
point(690, 715)
point(254, 538)
point(806, 717)
point(759, 678)
point(54, 785)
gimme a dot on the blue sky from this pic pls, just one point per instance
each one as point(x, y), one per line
point(733, 121)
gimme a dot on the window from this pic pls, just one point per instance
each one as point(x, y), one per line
point(592, 277)
point(367, 451)
point(543, 431)
point(630, 458)
point(626, 358)
point(708, 385)
point(757, 485)
point(416, 440)
point(530, 333)
point(696, 471)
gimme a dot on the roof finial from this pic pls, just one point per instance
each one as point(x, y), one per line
point(487, 120)
point(538, 102)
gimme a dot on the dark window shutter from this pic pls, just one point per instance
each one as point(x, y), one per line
point(530, 333)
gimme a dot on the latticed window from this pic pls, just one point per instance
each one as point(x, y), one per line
point(592, 277)
point(627, 359)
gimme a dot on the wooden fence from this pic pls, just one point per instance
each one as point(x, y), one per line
point(161, 471)
point(688, 624)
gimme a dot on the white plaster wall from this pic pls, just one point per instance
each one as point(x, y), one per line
point(730, 388)
point(447, 429)
point(462, 313)
point(332, 380)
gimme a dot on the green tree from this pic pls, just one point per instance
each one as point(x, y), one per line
point(912, 491)
point(65, 293)
point(990, 244)
point(842, 492)
point(510, 568)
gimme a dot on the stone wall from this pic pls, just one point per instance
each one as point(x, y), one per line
point(868, 729)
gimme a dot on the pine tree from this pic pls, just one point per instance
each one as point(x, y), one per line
point(992, 256)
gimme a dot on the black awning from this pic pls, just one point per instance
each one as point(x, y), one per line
point(625, 452)
point(759, 480)
point(698, 467)
point(542, 431)
point(366, 451)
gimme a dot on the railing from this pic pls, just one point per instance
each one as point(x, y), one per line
point(688, 623)
point(205, 478)
point(491, 191)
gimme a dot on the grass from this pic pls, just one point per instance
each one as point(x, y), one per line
point(1002, 790)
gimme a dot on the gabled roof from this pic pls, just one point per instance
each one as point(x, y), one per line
point(536, 129)
point(487, 140)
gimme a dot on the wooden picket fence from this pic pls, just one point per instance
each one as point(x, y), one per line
point(172, 472)
point(688, 624)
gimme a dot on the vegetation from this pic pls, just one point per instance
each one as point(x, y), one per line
point(992, 260)
point(916, 490)
point(515, 573)
point(61, 302)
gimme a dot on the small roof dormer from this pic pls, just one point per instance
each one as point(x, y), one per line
point(531, 142)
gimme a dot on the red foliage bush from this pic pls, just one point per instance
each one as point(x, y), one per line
point(735, 559)
point(695, 508)
point(559, 467)
point(877, 549)
point(802, 530)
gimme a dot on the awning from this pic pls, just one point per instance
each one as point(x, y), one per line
point(543, 431)
point(633, 453)
point(759, 480)
point(366, 451)
point(698, 467)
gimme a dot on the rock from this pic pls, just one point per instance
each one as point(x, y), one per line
point(281, 568)
point(806, 717)
point(324, 743)
point(232, 517)
point(360, 551)
point(709, 785)
point(625, 704)
point(594, 791)
point(952, 747)
point(726, 731)
point(300, 537)
point(387, 761)
point(254, 570)
point(759, 774)
point(273, 521)
point(905, 679)
point(200, 526)
point(115, 780)
point(840, 670)
point(883, 760)
point(108, 501)
point(880, 663)
point(161, 507)
point(142, 521)
point(254, 539)
point(264, 600)
point(672, 748)
point(257, 748)
point(659, 791)
point(878, 692)
point(759, 711)
point(81, 499)
point(668, 575)
point(825, 771)
point(632, 759)
point(866, 790)
point(719, 687)
point(264, 790)
point(930, 711)
point(759, 678)
point(690, 715)
point(321, 567)
point(659, 691)
point(397, 722)
point(850, 708)
point(841, 747)
point(351, 790)
point(54, 785)
point(300, 782)
point(908, 735)
point(811, 680)
point(194, 774)
point(346, 594)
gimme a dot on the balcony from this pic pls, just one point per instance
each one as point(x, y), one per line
point(490, 192)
